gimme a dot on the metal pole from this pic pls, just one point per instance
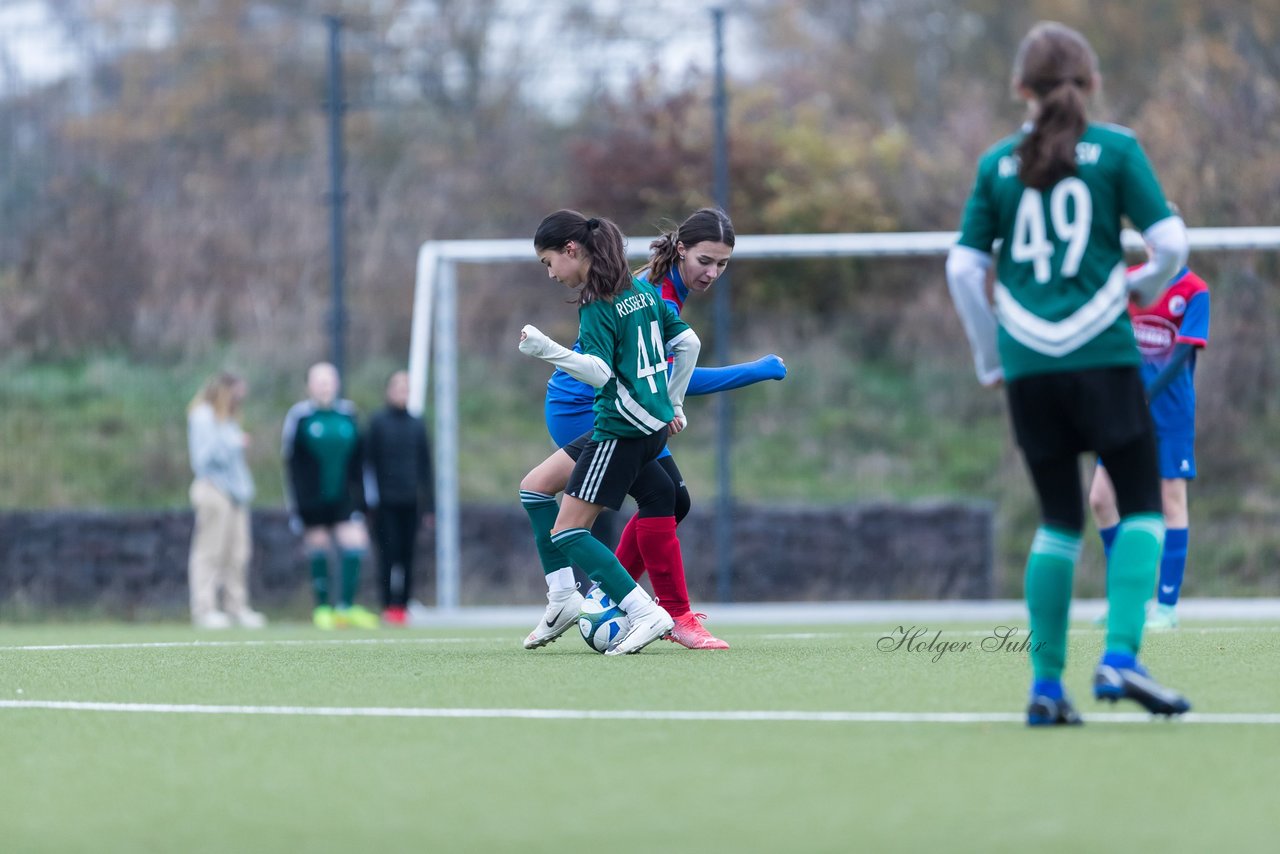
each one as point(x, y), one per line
point(337, 196)
point(448, 512)
point(722, 325)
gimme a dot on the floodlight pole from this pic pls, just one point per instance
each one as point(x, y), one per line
point(337, 196)
point(722, 325)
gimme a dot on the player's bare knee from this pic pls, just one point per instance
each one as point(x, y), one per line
point(352, 537)
point(316, 539)
point(1101, 504)
point(536, 481)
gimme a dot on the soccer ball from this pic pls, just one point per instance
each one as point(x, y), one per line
point(601, 621)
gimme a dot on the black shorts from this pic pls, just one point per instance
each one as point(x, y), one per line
point(1071, 412)
point(604, 471)
point(328, 514)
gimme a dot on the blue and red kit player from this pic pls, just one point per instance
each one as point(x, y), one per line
point(689, 258)
point(1169, 332)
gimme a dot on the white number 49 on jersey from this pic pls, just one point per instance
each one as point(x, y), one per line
point(1071, 225)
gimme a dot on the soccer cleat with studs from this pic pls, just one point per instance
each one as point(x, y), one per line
point(1052, 711)
point(647, 626)
point(689, 633)
point(322, 618)
point(1134, 683)
point(355, 617)
point(561, 613)
point(395, 615)
point(1163, 618)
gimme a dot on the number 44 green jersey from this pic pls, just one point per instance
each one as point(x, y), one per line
point(1060, 293)
point(632, 334)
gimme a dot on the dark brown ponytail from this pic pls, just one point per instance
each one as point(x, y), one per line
point(1059, 67)
point(705, 224)
point(603, 243)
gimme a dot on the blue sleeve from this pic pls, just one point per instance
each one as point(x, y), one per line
point(712, 380)
point(1178, 363)
point(1195, 323)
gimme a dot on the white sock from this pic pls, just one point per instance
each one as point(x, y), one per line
point(636, 601)
point(561, 581)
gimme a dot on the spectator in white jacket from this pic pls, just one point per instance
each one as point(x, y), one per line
point(220, 495)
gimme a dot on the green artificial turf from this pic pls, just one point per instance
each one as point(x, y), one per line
point(170, 780)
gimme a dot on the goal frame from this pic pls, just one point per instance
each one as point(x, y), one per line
point(435, 314)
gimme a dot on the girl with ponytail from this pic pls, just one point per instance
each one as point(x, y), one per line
point(686, 258)
point(625, 331)
point(1046, 211)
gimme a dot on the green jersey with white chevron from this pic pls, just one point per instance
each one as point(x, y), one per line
point(1060, 291)
point(632, 334)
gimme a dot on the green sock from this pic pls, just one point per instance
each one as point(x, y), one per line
point(1131, 576)
point(542, 510)
point(320, 577)
point(351, 560)
point(597, 561)
point(1050, 567)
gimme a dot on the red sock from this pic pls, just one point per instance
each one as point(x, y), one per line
point(656, 536)
point(628, 550)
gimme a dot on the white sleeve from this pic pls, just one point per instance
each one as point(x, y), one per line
point(592, 370)
point(208, 451)
point(684, 348)
point(967, 278)
point(1168, 242)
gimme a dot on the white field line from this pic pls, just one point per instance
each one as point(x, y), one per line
point(214, 644)
point(984, 633)
point(782, 716)
point(976, 633)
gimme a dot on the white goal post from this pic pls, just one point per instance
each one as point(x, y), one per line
point(435, 309)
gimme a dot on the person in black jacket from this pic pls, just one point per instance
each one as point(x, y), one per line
point(399, 492)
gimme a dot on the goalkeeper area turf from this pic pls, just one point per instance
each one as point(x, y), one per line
point(807, 737)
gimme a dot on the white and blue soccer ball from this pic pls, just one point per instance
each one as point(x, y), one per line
point(601, 621)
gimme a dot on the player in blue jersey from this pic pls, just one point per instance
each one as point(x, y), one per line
point(1169, 332)
point(1046, 208)
point(625, 333)
point(688, 258)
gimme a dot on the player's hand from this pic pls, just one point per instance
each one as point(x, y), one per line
point(992, 379)
point(532, 340)
point(679, 422)
point(776, 367)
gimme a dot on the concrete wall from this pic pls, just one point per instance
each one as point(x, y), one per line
point(133, 565)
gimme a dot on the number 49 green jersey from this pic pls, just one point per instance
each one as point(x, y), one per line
point(1060, 293)
point(632, 334)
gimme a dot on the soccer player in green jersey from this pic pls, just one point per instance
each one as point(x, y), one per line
point(324, 494)
point(1048, 203)
point(625, 331)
